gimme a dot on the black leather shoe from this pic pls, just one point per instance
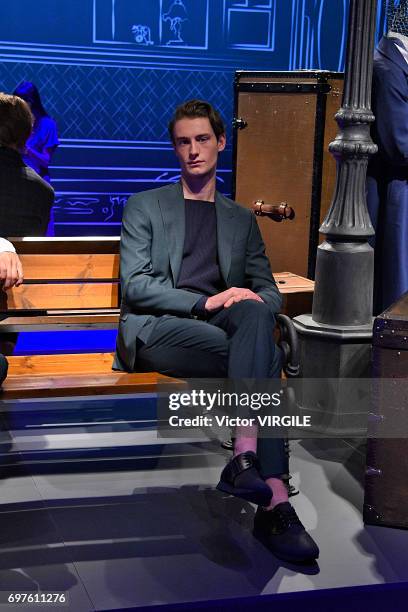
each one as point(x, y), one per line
point(281, 531)
point(241, 478)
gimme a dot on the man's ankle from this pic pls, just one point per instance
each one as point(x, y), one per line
point(245, 440)
point(279, 492)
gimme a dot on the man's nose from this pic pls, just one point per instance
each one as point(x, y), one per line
point(194, 149)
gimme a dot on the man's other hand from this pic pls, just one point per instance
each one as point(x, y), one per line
point(11, 270)
point(227, 298)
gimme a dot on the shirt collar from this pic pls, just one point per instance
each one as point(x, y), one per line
point(402, 44)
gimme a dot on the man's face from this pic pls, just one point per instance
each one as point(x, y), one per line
point(196, 146)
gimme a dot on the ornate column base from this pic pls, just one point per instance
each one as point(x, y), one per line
point(332, 353)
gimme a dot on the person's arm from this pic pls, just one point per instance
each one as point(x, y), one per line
point(142, 289)
point(11, 270)
point(47, 142)
point(42, 157)
point(258, 272)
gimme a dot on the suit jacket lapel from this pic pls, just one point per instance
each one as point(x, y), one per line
point(225, 211)
point(172, 208)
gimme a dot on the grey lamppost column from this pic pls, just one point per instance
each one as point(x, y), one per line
point(336, 338)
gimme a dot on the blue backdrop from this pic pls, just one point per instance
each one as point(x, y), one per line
point(110, 71)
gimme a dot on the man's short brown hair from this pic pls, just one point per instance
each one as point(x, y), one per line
point(198, 108)
point(16, 121)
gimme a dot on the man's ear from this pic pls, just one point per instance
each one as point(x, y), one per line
point(222, 141)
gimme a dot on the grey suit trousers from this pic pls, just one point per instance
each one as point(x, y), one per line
point(236, 343)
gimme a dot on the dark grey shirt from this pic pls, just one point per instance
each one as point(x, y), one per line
point(199, 270)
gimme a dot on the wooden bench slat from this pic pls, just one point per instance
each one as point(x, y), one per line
point(74, 374)
point(85, 244)
point(75, 295)
point(59, 322)
point(83, 311)
point(67, 363)
point(59, 267)
point(98, 384)
point(45, 319)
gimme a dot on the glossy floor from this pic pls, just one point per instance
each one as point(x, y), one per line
point(160, 533)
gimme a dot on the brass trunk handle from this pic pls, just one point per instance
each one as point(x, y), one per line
point(280, 212)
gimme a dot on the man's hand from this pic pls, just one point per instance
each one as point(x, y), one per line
point(11, 270)
point(227, 298)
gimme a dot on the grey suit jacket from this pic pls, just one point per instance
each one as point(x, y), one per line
point(151, 251)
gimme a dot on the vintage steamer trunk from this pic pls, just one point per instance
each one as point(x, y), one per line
point(283, 124)
point(386, 483)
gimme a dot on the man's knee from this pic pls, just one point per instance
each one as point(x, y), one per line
point(188, 333)
point(252, 310)
point(185, 348)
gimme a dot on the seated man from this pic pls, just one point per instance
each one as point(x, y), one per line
point(199, 301)
point(25, 198)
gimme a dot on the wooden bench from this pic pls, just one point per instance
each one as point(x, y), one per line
point(68, 284)
point(73, 284)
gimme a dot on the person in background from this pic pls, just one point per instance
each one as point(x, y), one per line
point(25, 198)
point(387, 178)
point(43, 141)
